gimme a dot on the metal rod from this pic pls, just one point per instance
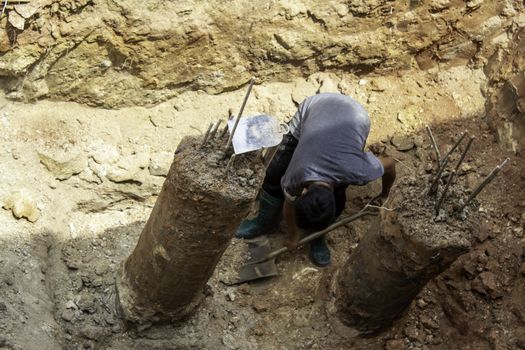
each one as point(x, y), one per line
point(207, 134)
point(3, 8)
point(224, 130)
point(455, 146)
point(230, 116)
point(464, 152)
point(434, 145)
point(484, 183)
point(230, 162)
point(433, 186)
point(260, 154)
point(228, 144)
point(444, 194)
point(215, 128)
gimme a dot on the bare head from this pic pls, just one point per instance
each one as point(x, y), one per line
point(315, 208)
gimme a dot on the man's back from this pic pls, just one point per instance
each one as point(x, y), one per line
point(332, 130)
point(331, 111)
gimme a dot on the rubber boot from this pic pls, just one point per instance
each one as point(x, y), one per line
point(319, 252)
point(267, 219)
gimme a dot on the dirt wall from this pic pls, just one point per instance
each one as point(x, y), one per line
point(506, 93)
point(120, 53)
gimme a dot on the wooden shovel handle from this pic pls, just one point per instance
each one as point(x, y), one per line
point(315, 235)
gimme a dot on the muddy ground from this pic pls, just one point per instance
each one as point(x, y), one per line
point(87, 179)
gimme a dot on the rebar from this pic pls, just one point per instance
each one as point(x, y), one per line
point(230, 163)
point(434, 145)
point(206, 135)
point(484, 183)
point(3, 8)
point(215, 128)
point(433, 186)
point(465, 152)
point(228, 144)
point(260, 154)
point(444, 194)
point(455, 146)
point(224, 130)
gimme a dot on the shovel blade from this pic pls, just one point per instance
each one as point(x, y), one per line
point(257, 271)
point(258, 249)
point(255, 132)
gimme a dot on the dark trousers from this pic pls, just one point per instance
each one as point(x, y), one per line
point(278, 166)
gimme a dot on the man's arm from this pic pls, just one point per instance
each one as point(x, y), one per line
point(293, 232)
point(389, 176)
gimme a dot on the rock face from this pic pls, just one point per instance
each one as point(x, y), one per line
point(506, 94)
point(120, 53)
point(63, 163)
point(159, 163)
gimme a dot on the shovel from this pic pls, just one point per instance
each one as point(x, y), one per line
point(256, 132)
point(261, 263)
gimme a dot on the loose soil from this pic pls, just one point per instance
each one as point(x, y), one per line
point(477, 304)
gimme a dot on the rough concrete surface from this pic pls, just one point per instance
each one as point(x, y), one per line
point(94, 174)
point(407, 246)
point(200, 205)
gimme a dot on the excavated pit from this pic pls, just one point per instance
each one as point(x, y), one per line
point(450, 64)
point(79, 275)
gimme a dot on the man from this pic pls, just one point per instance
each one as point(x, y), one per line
point(315, 163)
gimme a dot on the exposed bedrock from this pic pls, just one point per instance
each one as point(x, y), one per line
point(505, 104)
point(121, 53)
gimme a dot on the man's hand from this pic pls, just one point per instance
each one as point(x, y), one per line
point(378, 200)
point(389, 176)
point(291, 242)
